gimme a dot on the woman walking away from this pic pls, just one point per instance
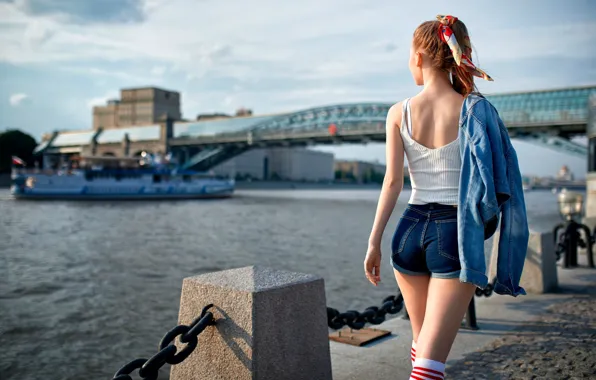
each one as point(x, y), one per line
point(465, 179)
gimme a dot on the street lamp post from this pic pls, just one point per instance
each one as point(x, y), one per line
point(570, 207)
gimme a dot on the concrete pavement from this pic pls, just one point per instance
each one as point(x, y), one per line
point(501, 320)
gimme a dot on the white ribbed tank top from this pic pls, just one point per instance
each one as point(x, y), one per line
point(434, 173)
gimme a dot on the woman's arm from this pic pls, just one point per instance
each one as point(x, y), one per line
point(392, 186)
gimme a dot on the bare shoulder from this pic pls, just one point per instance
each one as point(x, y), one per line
point(394, 114)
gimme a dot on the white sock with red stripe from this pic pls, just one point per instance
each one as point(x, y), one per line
point(426, 369)
point(413, 352)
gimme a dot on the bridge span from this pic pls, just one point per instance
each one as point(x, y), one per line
point(550, 118)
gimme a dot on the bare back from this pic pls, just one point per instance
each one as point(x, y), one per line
point(429, 131)
point(435, 118)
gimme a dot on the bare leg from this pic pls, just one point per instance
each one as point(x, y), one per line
point(414, 289)
point(447, 302)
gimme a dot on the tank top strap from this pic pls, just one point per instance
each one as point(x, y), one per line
point(406, 119)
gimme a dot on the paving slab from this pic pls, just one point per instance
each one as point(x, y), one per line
point(498, 317)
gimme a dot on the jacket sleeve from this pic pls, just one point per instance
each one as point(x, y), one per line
point(487, 153)
point(470, 220)
point(514, 231)
point(477, 198)
point(498, 148)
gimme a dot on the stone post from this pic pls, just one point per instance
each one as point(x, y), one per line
point(540, 268)
point(270, 325)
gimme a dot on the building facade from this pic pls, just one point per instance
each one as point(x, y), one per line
point(138, 106)
point(287, 164)
point(358, 171)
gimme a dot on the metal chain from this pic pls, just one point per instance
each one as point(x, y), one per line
point(373, 314)
point(168, 352)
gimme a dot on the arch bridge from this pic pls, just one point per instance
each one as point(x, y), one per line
point(546, 118)
point(549, 118)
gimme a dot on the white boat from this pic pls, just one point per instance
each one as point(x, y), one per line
point(117, 182)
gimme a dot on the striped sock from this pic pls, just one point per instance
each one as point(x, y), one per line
point(413, 352)
point(426, 369)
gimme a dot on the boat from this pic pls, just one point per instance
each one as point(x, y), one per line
point(117, 178)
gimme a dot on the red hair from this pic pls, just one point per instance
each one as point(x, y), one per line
point(427, 38)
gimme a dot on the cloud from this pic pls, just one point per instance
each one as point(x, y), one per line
point(128, 77)
point(286, 55)
point(158, 71)
point(102, 100)
point(287, 41)
point(82, 11)
point(567, 39)
point(16, 100)
point(293, 40)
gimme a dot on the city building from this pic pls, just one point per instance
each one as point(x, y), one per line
point(241, 112)
point(286, 164)
point(359, 171)
point(138, 106)
point(565, 174)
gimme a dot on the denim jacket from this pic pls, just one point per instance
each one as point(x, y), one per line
point(490, 190)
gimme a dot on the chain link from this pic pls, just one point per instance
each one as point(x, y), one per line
point(373, 314)
point(168, 352)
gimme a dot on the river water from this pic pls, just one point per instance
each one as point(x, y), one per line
point(87, 286)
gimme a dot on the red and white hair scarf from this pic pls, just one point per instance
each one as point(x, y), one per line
point(460, 57)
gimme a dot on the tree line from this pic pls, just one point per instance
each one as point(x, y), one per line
point(14, 142)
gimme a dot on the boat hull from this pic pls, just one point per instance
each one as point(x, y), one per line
point(120, 197)
point(37, 186)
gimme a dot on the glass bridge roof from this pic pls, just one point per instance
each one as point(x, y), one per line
point(213, 127)
point(555, 106)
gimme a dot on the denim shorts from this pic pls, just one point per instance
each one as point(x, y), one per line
point(425, 241)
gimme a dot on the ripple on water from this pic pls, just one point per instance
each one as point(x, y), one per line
point(32, 290)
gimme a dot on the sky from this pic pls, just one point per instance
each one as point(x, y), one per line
point(58, 58)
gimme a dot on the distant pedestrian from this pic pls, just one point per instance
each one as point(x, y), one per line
point(465, 179)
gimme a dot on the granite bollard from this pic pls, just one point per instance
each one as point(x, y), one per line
point(540, 268)
point(270, 324)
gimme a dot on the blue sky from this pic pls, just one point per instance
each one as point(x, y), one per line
point(58, 58)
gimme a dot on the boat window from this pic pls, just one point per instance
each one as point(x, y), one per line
point(186, 178)
point(156, 178)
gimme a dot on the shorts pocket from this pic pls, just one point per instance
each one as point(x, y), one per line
point(447, 238)
point(404, 228)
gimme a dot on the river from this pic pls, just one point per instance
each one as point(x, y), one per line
point(87, 286)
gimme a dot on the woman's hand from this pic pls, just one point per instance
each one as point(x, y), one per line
point(372, 265)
